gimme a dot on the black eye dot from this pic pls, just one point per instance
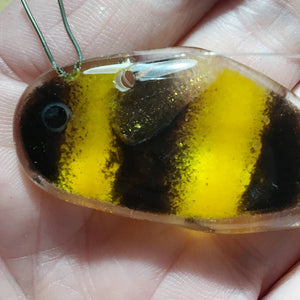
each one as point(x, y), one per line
point(55, 116)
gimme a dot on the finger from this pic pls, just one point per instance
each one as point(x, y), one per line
point(288, 286)
point(10, 93)
point(101, 27)
point(9, 287)
point(145, 260)
point(254, 26)
point(226, 266)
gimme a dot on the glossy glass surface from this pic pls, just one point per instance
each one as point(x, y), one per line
point(167, 135)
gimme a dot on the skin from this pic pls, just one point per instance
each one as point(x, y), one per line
point(50, 249)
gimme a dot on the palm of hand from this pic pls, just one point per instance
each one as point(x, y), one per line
point(53, 250)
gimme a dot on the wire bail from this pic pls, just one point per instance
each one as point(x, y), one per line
point(59, 70)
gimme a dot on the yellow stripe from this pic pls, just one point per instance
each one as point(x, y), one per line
point(83, 166)
point(223, 138)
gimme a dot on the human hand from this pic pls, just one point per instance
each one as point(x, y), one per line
point(53, 250)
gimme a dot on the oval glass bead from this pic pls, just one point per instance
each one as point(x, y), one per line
point(169, 135)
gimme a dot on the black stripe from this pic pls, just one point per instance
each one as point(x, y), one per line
point(144, 178)
point(140, 181)
point(275, 182)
